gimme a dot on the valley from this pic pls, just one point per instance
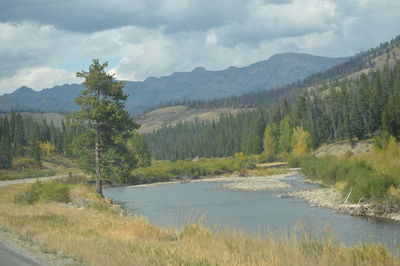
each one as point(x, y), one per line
point(294, 157)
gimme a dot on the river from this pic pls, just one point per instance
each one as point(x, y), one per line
point(254, 212)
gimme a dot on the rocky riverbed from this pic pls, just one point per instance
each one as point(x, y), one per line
point(257, 183)
point(331, 198)
point(239, 183)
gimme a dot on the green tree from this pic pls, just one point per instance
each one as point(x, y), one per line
point(102, 148)
point(137, 145)
point(285, 139)
point(5, 153)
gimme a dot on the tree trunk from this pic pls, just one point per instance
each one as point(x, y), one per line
point(99, 183)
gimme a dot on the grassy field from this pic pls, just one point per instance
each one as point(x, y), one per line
point(24, 167)
point(95, 232)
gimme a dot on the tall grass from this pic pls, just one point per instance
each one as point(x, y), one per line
point(27, 173)
point(45, 192)
point(101, 236)
point(372, 176)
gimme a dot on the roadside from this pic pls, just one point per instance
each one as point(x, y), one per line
point(31, 180)
point(22, 253)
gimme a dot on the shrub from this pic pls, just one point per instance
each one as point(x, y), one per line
point(165, 170)
point(74, 179)
point(44, 192)
point(365, 182)
point(23, 162)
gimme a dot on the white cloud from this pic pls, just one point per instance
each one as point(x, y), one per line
point(37, 79)
point(29, 45)
point(156, 38)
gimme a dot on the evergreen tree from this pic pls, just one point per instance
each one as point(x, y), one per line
point(137, 145)
point(5, 153)
point(285, 139)
point(102, 148)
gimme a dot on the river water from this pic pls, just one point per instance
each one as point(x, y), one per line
point(254, 212)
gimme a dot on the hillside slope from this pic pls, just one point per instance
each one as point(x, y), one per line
point(387, 54)
point(195, 85)
point(170, 116)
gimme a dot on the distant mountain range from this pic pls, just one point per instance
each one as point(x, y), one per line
point(198, 84)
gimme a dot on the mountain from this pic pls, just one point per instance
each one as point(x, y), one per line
point(199, 84)
point(386, 54)
point(352, 101)
point(7, 105)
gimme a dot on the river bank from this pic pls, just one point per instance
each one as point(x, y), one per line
point(331, 198)
point(237, 182)
point(110, 238)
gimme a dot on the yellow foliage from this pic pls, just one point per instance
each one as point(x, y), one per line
point(46, 147)
point(386, 158)
point(300, 142)
point(340, 185)
point(394, 192)
point(268, 145)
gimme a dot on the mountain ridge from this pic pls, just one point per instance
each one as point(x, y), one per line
point(198, 84)
point(384, 55)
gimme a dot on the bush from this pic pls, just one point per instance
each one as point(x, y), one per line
point(23, 162)
point(365, 182)
point(44, 192)
point(6, 177)
point(165, 170)
point(73, 179)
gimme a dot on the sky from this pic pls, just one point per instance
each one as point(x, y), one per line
point(44, 43)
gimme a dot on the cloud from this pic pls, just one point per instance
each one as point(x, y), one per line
point(28, 45)
point(269, 22)
point(156, 37)
point(37, 79)
point(90, 16)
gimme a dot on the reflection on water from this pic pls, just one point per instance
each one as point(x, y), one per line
point(254, 212)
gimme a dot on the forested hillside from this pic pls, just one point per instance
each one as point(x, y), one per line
point(351, 109)
point(372, 59)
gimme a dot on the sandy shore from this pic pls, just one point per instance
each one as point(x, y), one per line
point(241, 183)
point(331, 198)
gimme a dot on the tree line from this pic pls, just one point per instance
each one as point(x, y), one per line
point(268, 98)
point(21, 136)
point(350, 109)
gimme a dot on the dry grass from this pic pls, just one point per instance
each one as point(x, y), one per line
point(51, 165)
point(273, 164)
point(261, 171)
point(172, 115)
point(99, 235)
